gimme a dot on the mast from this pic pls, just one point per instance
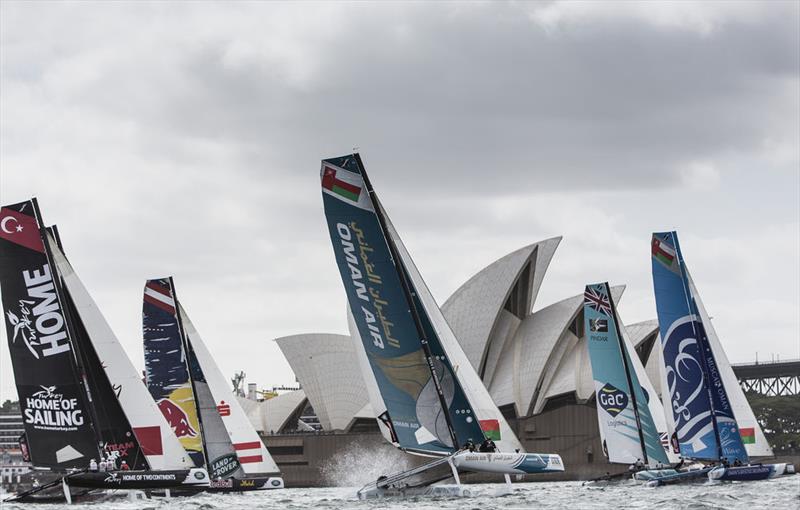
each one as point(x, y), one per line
point(185, 345)
point(76, 351)
point(702, 346)
point(409, 295)
point(623, 352)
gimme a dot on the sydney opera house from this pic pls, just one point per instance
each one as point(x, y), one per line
point(535, 366)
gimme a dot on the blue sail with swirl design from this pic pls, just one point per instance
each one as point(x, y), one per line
point(704, 420)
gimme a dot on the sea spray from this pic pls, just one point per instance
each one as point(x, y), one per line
point(357, 465)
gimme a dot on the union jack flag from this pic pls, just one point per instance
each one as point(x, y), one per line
point(664, 439)
point(597, 300)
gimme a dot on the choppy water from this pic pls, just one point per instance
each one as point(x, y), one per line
point(780, 493)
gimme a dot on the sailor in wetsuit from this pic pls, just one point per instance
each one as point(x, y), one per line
point(469, 445)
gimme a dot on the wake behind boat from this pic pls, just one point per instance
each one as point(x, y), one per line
point(428, 398)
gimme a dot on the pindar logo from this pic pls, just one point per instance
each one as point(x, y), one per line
point(598, 325)
point(612, 400)
point(177, 418)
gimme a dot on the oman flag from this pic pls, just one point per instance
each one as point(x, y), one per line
point(662, 251)
point(491, 429)
point(748, 435)
point(340, 184)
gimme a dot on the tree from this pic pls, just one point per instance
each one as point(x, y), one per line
point(10, 407)
point(779, 417)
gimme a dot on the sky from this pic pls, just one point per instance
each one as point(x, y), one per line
point(184, 139)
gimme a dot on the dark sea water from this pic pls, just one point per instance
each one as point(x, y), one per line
point(777, 494)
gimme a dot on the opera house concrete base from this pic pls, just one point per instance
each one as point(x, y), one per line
point(337, 459)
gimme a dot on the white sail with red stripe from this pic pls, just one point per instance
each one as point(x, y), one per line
point(250, 451)
point(158, 296)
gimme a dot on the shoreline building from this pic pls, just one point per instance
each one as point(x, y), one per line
point(534, 364)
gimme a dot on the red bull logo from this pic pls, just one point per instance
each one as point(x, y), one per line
point(177, 418)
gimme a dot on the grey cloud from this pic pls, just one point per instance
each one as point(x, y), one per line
point(185, 139)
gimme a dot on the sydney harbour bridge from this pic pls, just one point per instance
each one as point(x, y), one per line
point(771, 378)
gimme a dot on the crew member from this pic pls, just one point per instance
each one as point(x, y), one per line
point(469, 445)
point(488, 446)
point(92, 465)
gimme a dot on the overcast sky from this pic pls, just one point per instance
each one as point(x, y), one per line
point(184, 139)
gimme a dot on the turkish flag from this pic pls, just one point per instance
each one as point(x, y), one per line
point(21, 229)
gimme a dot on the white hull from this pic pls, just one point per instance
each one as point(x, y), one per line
point(508, 463)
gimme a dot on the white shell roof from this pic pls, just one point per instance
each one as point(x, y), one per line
point(473, 309)
point(271, 415)
point(534, 359)
point(328, 370)
point(526, 358)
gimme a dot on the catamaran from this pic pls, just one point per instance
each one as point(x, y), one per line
point(80, 396)
point(195, 399)
point(428, 399)
point(708, 406)
point(630, 416)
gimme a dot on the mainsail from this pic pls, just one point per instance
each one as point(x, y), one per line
point(166, 369)
point(52, 397)
point(428, 397)
point(624, 415)
point(705, 424)
point(425, 405)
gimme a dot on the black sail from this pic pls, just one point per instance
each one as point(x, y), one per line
point(53, 402)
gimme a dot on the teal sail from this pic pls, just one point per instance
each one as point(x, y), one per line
point(426, 408)
point(626, 425)
point(704, 421)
